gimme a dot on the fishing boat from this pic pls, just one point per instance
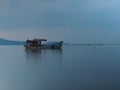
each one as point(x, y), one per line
point(38, 44)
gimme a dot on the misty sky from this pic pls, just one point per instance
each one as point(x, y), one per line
point(73, 21)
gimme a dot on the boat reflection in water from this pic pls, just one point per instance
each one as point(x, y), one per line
point(43, 55)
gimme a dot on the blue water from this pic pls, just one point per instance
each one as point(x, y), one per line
point(71, 68)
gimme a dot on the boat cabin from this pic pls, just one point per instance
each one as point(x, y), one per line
point(35, 42)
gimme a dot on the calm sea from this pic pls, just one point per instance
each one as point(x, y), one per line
point(71, 68)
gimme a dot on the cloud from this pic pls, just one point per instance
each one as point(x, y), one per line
point(71, 20)
point(48, 13)
point(27, 13)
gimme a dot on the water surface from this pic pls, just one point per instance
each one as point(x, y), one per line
point(71, 68)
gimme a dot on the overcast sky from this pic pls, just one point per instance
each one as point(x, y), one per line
point(73, 21)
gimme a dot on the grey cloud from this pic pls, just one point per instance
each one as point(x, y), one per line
point(76, 14)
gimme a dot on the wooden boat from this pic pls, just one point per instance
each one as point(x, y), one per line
point(37, 44)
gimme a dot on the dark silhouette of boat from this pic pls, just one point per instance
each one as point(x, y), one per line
point(37, 44)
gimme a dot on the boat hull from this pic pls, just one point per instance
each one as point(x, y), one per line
point(56, 45)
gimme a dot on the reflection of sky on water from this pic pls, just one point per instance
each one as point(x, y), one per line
point(73, 68)
point(41, 56)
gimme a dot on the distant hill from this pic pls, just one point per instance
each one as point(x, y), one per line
point(10, 42)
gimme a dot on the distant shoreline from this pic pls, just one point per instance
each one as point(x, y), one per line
point(12, 42)
point(92, 44)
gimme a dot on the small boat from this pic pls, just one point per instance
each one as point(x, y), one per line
point(37, 44)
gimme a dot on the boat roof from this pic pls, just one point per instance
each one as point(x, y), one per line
point(39, 39)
